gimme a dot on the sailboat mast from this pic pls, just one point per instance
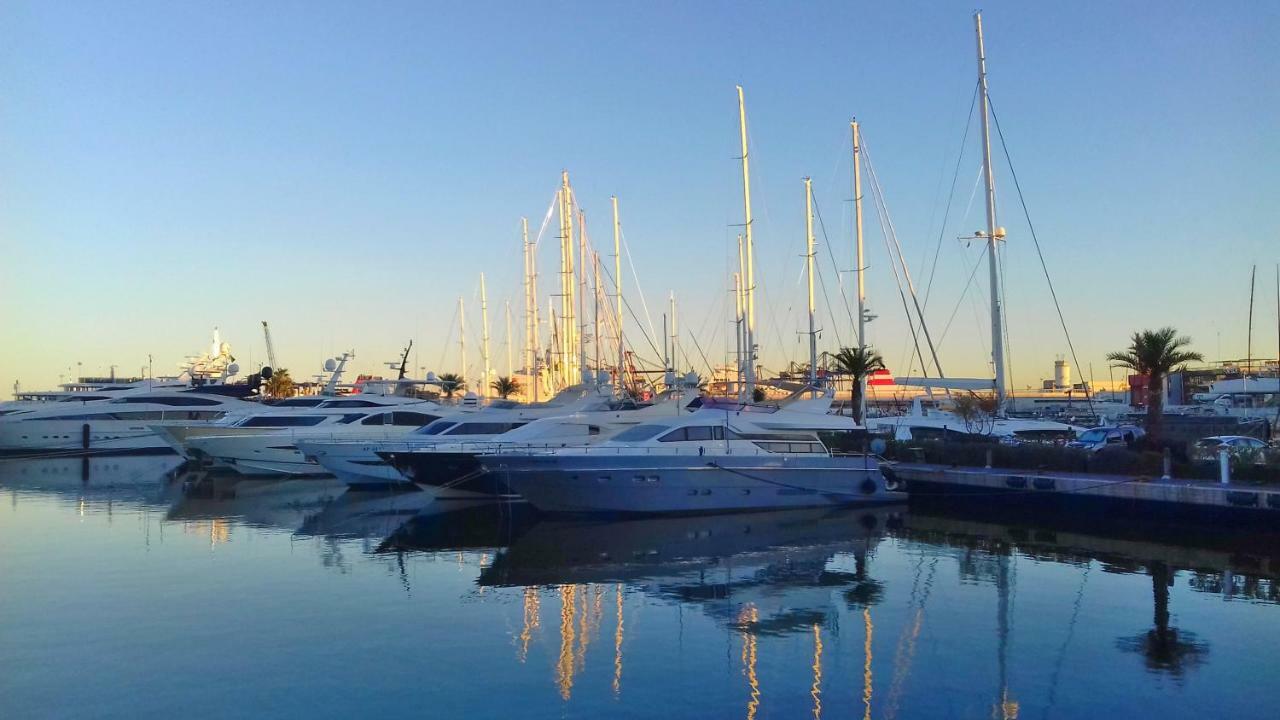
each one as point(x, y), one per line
point(510, 366)
point(808, 260)
point(742, 320)
point(749, 376)
point(675, 335)
point(462, 337)
point(617, 282)
point(484, 338)
point(595, 344)
point(997, 321)
point(568, 325)
point(737, 326)
point(526, 354)
point(1253, 276)
point(582, 290)
point(859, 262)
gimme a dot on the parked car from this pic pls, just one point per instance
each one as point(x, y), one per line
point(1095, 439)
point(1238, 446)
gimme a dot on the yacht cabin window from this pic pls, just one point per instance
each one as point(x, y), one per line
point(270, 421)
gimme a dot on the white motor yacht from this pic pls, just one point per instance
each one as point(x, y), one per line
point(108, 425)
point(362, 463)
point(719, 458)
point(926, 421)
point(265, 443)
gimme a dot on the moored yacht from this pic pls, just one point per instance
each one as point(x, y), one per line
point(108, 425)
point(362, 464)
point(265, 443)
point(719, 458)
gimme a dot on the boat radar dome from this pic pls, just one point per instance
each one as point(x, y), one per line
point(431, 377)
point(1000, 232)
point(588, 377)
point(691, 379)
point(669, 379)
point(232, 369)
point(330, 365)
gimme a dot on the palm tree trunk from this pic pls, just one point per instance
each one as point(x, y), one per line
point(1155, 407)
point(856, 396)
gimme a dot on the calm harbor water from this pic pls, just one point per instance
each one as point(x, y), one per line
point(129, 589)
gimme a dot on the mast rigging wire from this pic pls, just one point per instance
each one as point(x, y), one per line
point(1039, 253)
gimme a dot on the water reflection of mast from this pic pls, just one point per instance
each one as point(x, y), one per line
point(746, 621)
point(532, 620)
point(1008, 707)
point(565, 664)
point(816, 689)
point(866, 666)
point(617, 638)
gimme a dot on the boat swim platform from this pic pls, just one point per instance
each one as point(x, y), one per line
point(1118, 495)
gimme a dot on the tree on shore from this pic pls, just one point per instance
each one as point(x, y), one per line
point(858, 363)
point(451, 383)
point(505, 386)
point(279, 385)
point(1155, 353)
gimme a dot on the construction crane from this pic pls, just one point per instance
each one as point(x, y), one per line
point(271, 350)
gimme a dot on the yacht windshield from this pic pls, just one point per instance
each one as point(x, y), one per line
point(639, 432)
point(436, 427)
point(1093, 436)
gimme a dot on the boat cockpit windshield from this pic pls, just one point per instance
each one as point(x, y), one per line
point(435, 428)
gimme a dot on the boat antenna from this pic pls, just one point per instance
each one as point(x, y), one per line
point(1248, 358)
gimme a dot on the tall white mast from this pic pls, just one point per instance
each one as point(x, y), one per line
point(808, 259)
point(859, 262)
point(595, 295)
point(484, 338)
point(737, 329)
point(462, 337)
point(675, 335)
point(510, 366)
point(568, 325)
point(526, 355)
point(994, 234)
point(617, 281)
point(583, 269)
point(749, 382)
point(742, 320)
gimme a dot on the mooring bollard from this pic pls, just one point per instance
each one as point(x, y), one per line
point(1224, 466)
point(1168, 465)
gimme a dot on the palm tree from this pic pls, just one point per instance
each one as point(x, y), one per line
point(505, 386)
point(1155, 353)
point(858, 363)
point(451, 383)
point(279, 384)
point(1165, 648)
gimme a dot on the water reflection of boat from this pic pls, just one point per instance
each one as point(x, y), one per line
point(1221, 560)
point(284, 504)
point(776, 562)
point(461, 525)
point(83, 476)
point(366, 514)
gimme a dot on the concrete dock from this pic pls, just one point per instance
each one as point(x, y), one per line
point(1116, 494)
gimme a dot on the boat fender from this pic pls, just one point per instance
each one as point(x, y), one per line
point(868, 486)
point(891, 481)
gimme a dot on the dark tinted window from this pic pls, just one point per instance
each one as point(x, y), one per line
point(677, 435)
point(436, 427)
point(350, 404)
point(283, 421)
point(483, 428)
point(379, 419)
point(171, 401)
point(298, 402)
point(411, 419)
point(700, 432)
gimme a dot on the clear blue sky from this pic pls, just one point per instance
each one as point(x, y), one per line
point(346, 170)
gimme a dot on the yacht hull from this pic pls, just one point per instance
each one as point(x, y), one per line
point(451, 475)
point(79, 437)
point(356, 464)
point(684, 485)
